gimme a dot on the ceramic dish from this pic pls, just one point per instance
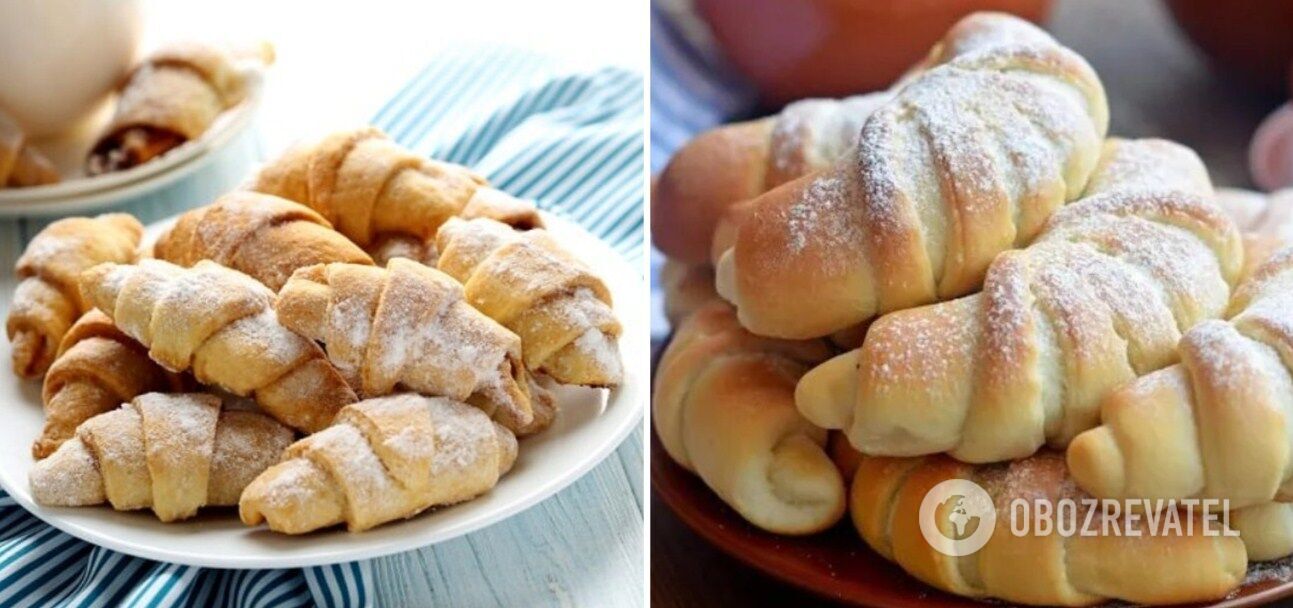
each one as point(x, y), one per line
point(591, 424)
point(837, 564)
point(78, 193)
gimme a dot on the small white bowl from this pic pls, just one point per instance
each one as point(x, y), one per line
point(215, 162)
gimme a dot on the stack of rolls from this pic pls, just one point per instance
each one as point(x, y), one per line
point(963, 278)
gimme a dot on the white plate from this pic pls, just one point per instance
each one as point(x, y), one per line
point(592, 423)
point(85, 193)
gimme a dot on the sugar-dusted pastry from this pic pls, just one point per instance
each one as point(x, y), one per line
point(968, 160)
point(1219, 424)
point(171, 97)
point(529, 283)
point(1099, 298)
point(737, 162)
point(172, 453)
point(47, 300)
point(384, 459)
point(20, 164)
point(740, 161)
point(407, 326)
point(1155, 565)
point(220, 324)
point(724, 409)
point(97, 369)
point(260, 235)
point(486, 202)
point(374, 190)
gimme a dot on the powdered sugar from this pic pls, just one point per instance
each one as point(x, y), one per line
point(463, 436)
point(600, 351)
point(357, 470)
point(1114, 279)
point(560, 297)
point(420, 333)
point(178, 428)
point(983, 140)
point(68, 477)
point(818, 216)
point(1280, 571)
point(809, 134)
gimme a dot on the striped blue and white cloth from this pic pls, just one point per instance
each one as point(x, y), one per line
point(569, 139)
point(692, 90)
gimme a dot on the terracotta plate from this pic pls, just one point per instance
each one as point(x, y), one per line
point(835, 564)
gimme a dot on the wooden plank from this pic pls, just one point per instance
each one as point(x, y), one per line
point(582, 547)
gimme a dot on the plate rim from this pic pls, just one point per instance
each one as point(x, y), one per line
point(631, 395)
point(40, 201)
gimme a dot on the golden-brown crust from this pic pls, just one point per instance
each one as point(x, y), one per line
point(530, 283)
point(686, 287)
point(385, 459)
point(367, 185)
point(918, 209)
point(98, 368)
point(408, 326)
point(220, 324)
point(712, 171)
point(173, 453)
point(171, 97)
point(260, 235)
point(1213, 426)
point(48, 300)
point(732, 163)
point(1100, 297)
point(1166, 568)
point(723, 408)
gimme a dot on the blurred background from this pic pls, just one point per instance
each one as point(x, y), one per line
point(336, 65)
point(1212, 75)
